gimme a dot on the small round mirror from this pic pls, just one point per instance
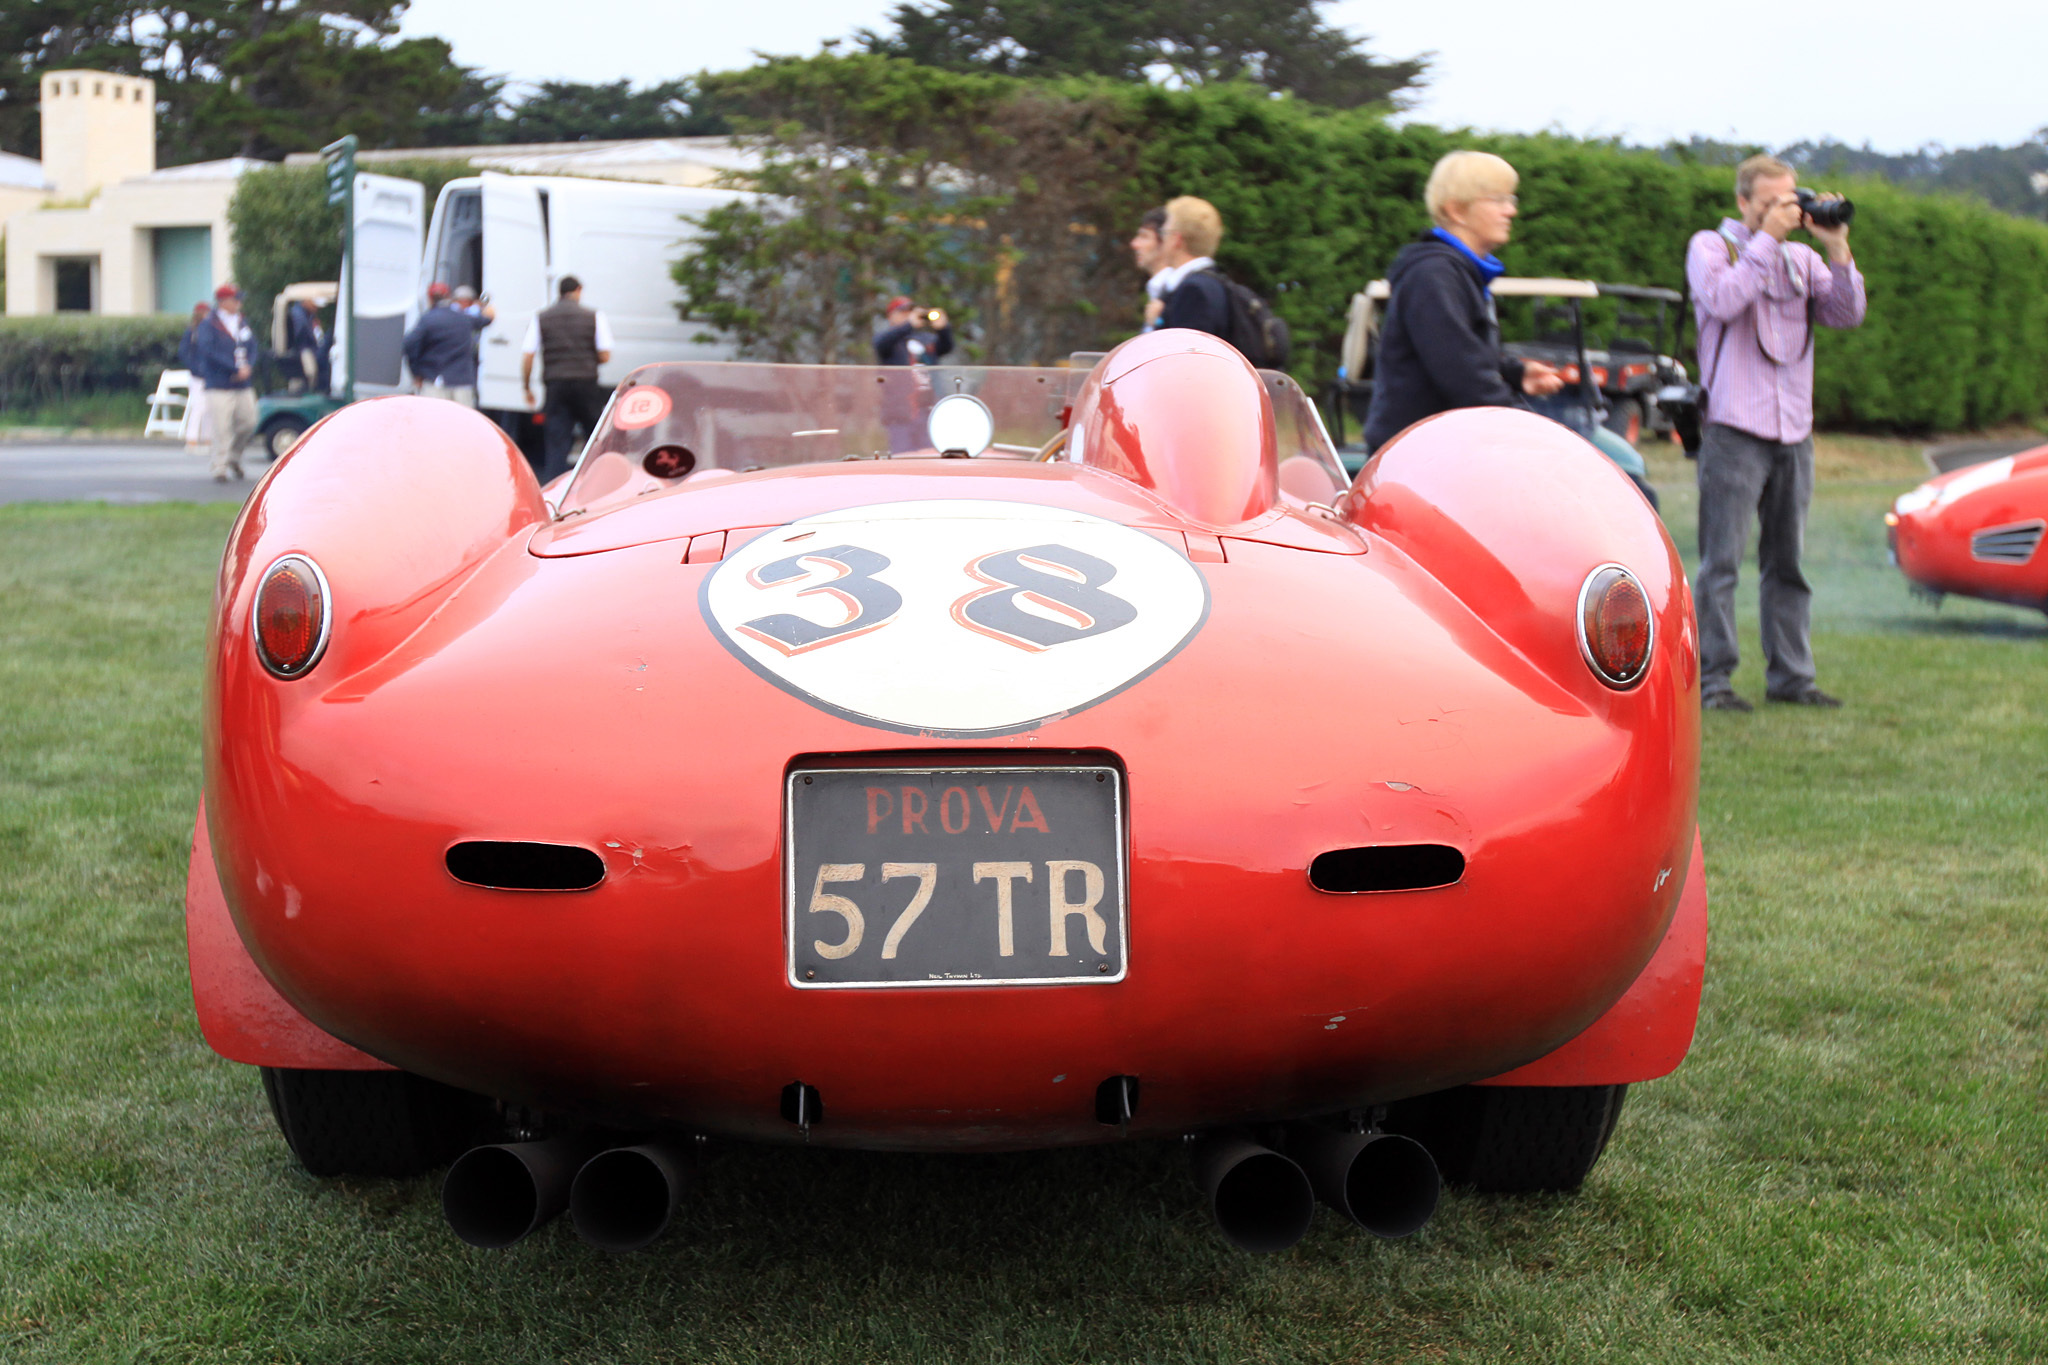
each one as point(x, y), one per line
point(961, 424)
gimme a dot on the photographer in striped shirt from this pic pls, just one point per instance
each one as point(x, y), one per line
point(1757, 299)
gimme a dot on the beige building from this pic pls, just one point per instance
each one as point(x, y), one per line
point(115, 235)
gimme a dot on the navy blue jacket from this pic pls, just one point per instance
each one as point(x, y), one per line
point(442, 345)
point(1201, 303)
point(213, 354)
point(1439, 345)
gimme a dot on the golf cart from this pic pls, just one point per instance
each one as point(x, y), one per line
point(1583, 404)
point(1632, 367)
point(281, 418)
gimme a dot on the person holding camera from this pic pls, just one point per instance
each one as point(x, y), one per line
point(1757, 298)
point(914, 336)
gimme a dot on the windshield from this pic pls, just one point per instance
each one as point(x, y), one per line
point(673, 425)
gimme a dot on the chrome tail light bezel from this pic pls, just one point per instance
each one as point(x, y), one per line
point(326, 599)
point(1592, 661)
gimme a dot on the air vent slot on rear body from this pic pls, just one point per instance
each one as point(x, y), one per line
point(1386, 867)
point(2007, 544)
point(516, 865)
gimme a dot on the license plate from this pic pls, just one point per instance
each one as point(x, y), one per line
point(955, 876)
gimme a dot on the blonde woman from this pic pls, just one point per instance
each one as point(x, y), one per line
point(1440, 340)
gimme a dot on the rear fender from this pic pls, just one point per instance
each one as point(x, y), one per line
point(1647, 1032)
point(241, 1015)
point(397, 500)
point(1511, 512)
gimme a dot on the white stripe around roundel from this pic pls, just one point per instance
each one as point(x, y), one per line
point(954, 617)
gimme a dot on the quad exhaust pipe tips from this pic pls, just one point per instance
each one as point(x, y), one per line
point(1263, 1199)
point(619, 1199)
point(623, 1198)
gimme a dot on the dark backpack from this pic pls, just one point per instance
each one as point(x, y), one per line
point(1255, 328)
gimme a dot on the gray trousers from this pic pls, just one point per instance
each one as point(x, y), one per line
point(1744, 477)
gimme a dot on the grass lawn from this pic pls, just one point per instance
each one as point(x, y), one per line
point(1849, 1167)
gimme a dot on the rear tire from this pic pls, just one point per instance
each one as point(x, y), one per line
point(387, 1123)
point(1625, 418)
point(1513, 1139)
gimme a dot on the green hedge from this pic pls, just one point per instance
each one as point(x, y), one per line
point(50, 359)
point(1317, 202)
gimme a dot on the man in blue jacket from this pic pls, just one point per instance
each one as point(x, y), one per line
point(1440, 342)
point(224, 358)
point(441, 347)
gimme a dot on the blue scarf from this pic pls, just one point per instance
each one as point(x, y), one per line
point(1488, 267)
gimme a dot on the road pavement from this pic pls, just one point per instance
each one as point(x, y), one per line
point(123, 471)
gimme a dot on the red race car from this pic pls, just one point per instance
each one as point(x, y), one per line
point(949, 759)
point(1974, 531)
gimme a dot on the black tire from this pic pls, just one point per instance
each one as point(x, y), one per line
point(280, 434)
point(388, 1123)
point(1627, 417)
point(1518, 1139)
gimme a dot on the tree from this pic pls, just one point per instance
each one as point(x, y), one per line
point(238, 77)
point(571, 111)
point(856, 203)
point(1281, 44)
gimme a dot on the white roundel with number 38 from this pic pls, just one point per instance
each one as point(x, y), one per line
point(954, 617)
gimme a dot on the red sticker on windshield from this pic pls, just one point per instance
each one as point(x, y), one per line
point(640, 406)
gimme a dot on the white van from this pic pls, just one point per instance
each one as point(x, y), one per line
point(513, 237)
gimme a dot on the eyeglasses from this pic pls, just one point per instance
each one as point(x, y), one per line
point(1507, 199)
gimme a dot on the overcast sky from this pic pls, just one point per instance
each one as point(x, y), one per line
point(1894, 73)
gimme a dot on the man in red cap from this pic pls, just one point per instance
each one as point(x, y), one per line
point(914, 337)
point(224, 358)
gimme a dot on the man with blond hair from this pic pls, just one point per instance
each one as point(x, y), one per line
point(1194, 293)
point(1440, 339)
point(1757, 298)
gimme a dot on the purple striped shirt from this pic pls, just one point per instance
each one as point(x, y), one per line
point(1754, 358)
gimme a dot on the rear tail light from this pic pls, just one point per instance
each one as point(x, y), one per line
point(291, 620)
point(1616, 628)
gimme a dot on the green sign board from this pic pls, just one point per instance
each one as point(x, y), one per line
point(341, 168)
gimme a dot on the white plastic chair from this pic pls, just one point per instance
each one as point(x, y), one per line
point(167, 405)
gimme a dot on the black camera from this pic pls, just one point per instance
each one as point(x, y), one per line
point(1833, 213)
point(1681, 404)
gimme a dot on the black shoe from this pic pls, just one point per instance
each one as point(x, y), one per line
point(1805, 696)
point(1723, 701)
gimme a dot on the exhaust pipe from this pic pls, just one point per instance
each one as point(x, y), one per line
point(624, 1198)
point(495, 1195)
point(1385, 1183)
point(1262, 1200)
